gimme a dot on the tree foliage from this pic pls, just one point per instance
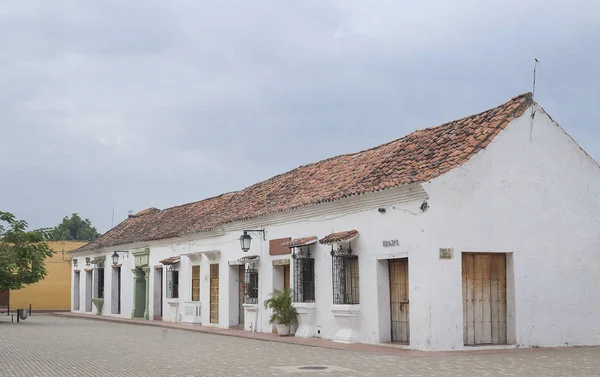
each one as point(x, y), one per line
point(22, 253)
point(74, 229)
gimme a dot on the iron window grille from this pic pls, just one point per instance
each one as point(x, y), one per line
point(345, 277)
point(172, 283)
point(304, 275)
point(251, 286)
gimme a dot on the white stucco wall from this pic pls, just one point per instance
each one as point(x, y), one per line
point(537, 200)
point(536, 195)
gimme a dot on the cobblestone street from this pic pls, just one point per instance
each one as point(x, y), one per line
point(53, 346)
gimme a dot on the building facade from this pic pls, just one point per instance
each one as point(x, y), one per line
point(482, 231)
point(53, 293)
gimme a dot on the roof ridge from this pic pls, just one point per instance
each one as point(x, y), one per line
point(513, 99)
point(187, 204)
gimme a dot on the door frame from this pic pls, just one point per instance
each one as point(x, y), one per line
point(158, 285)
point(89, 292)
point(119, 280)
point(241, 291)
point(76, 290)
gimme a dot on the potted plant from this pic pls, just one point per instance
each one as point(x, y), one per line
point(284, 314)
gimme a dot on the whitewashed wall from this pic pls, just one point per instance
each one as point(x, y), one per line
point(126, 285)
point(537, 200)
point(536, 195)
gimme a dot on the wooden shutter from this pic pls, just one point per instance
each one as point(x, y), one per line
point(195, 283)
point(399, 301)
point(484, 298)
point(214, 293)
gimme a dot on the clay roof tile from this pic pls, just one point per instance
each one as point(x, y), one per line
point(417, 157)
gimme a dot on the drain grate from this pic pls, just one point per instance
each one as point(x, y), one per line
point(312, 369)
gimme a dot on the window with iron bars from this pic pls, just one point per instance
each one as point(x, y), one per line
point(251, 282)
point(172, 283)
point(304, 276)
point(345, 278)
point(98, 291)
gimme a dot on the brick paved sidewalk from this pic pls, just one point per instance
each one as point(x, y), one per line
point(311, 342)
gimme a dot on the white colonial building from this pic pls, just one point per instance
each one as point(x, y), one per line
point(482, 231)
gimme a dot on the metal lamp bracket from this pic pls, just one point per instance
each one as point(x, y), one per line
point(256, 231)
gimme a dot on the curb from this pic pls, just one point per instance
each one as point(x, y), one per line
point(354, 347)
point(383, 350)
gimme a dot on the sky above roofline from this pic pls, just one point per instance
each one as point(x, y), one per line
point(110, 104)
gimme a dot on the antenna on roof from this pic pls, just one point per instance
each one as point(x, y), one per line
point(113, 219)
point(534, 70)
point(532, 97)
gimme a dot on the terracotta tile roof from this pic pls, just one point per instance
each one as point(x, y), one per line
point(417, 157)
point(300, 242)
point(249, 259)
point(348, 235)
point(145, 212)
point(171, 260)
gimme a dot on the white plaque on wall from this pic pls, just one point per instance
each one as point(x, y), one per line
point(446, 253)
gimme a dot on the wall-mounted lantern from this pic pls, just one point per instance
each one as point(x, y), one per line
point(246, 239)
point(87, 261)
point(115, 256)
point(75, 263)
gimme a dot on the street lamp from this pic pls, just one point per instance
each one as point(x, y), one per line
point(246, 240)
point(115, 258)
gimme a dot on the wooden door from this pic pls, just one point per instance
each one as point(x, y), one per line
point(214, 293)
point(5, 299)
point(484, 298)
point(399, 303)
point(286, 276)
point(195, 283)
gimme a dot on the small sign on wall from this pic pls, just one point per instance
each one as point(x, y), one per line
point(446, 253)
point(391, 243)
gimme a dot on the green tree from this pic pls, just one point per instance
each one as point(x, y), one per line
point(74, 229)
point(22, 253)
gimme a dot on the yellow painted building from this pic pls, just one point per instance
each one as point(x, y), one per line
point(54, 292)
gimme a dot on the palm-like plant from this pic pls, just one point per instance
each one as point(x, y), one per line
point(281, 304)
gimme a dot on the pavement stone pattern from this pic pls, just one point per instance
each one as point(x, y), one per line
point(54, 346)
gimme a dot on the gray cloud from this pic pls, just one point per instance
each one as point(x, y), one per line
point(118, 104)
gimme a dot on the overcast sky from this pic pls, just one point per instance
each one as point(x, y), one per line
point(133, 104)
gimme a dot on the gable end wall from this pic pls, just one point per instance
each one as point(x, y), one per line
point(539, 200)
